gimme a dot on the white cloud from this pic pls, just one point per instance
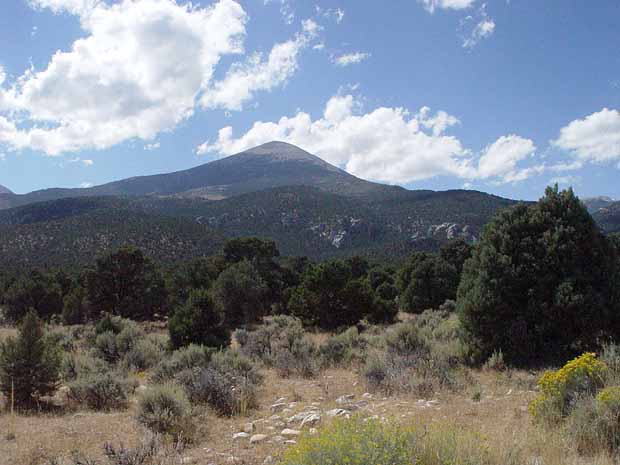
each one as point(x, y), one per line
point(81, 161)
point(386, 144)
point(152, 146)
point(432, 5)
point(336, 14)
point(502, 157)
point(596, 138)
point(351, 58)
point(565, 180)
point(256, 74)
point(139, 70)
point(483, 29)
point(75, 7)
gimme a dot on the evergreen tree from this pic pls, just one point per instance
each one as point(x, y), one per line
point(126, 283)
point(426, 281)
point(30, 364)
point(198, 321)
point(540, 283)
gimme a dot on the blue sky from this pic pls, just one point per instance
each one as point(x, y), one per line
point(505, 96)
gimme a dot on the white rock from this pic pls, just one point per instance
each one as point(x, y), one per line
point(290, 432)
point(268, 460)
point(367, 395)
point(258, 438)
point(290, 442)
point(313, 431)
point(311, 420)
point(274, 417)
point(345, 399)
point(277, 407)
point(241, 435)
point(337, 412)
point(281, 400)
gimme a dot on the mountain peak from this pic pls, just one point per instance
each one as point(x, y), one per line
point(5, 190)
point(278, 150)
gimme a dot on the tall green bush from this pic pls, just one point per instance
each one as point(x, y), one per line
point(30, 364)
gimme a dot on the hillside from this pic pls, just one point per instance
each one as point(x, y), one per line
point(72, 232)
point(302, 220)
point(270, 165)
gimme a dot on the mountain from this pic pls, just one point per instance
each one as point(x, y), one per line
point(73, 232)
point(4, 190)
point(276, 191)
point(302, 220)
point(274, 164)
point(596, 203)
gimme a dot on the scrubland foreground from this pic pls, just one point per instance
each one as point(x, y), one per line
point(386, 395)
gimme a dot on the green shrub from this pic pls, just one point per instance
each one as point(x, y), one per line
point(74, 309)
point(594, 423)
point(144, 354)
point(106, 348)
point(165, 409)
point(198, 321)
point(344, 349)
point(187, 358)
point(80, 364)
point(100, 391)
point(495, 361)
point(298, 358)
point(228, 383)
point(30, 364)
point(405, 340)
point(111, 323)
point(280, 342)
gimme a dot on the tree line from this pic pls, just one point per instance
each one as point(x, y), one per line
point(540, 285)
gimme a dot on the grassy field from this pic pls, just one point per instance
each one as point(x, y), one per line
point(490, 405)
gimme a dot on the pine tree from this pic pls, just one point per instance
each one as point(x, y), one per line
point(30, 364)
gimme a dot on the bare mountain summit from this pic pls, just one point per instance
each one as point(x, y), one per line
point(4, 190)
point(274, 164)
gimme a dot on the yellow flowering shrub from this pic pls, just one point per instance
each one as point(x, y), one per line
point(609, 398)
point(584, 374)
point(352, 442)
point(373, 442)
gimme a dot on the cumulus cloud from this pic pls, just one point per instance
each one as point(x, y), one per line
point(137, 72)
point(502, 157)
point(432, 5)
point(596, 138)
point(350, 58)
point(386, 144)
point(256, 74)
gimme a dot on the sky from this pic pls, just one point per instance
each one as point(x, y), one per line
point(502, 96)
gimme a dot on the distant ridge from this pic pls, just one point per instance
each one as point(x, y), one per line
point(271, 165)
point(5, 190)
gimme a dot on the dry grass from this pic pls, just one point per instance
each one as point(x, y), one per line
point(499, 416)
